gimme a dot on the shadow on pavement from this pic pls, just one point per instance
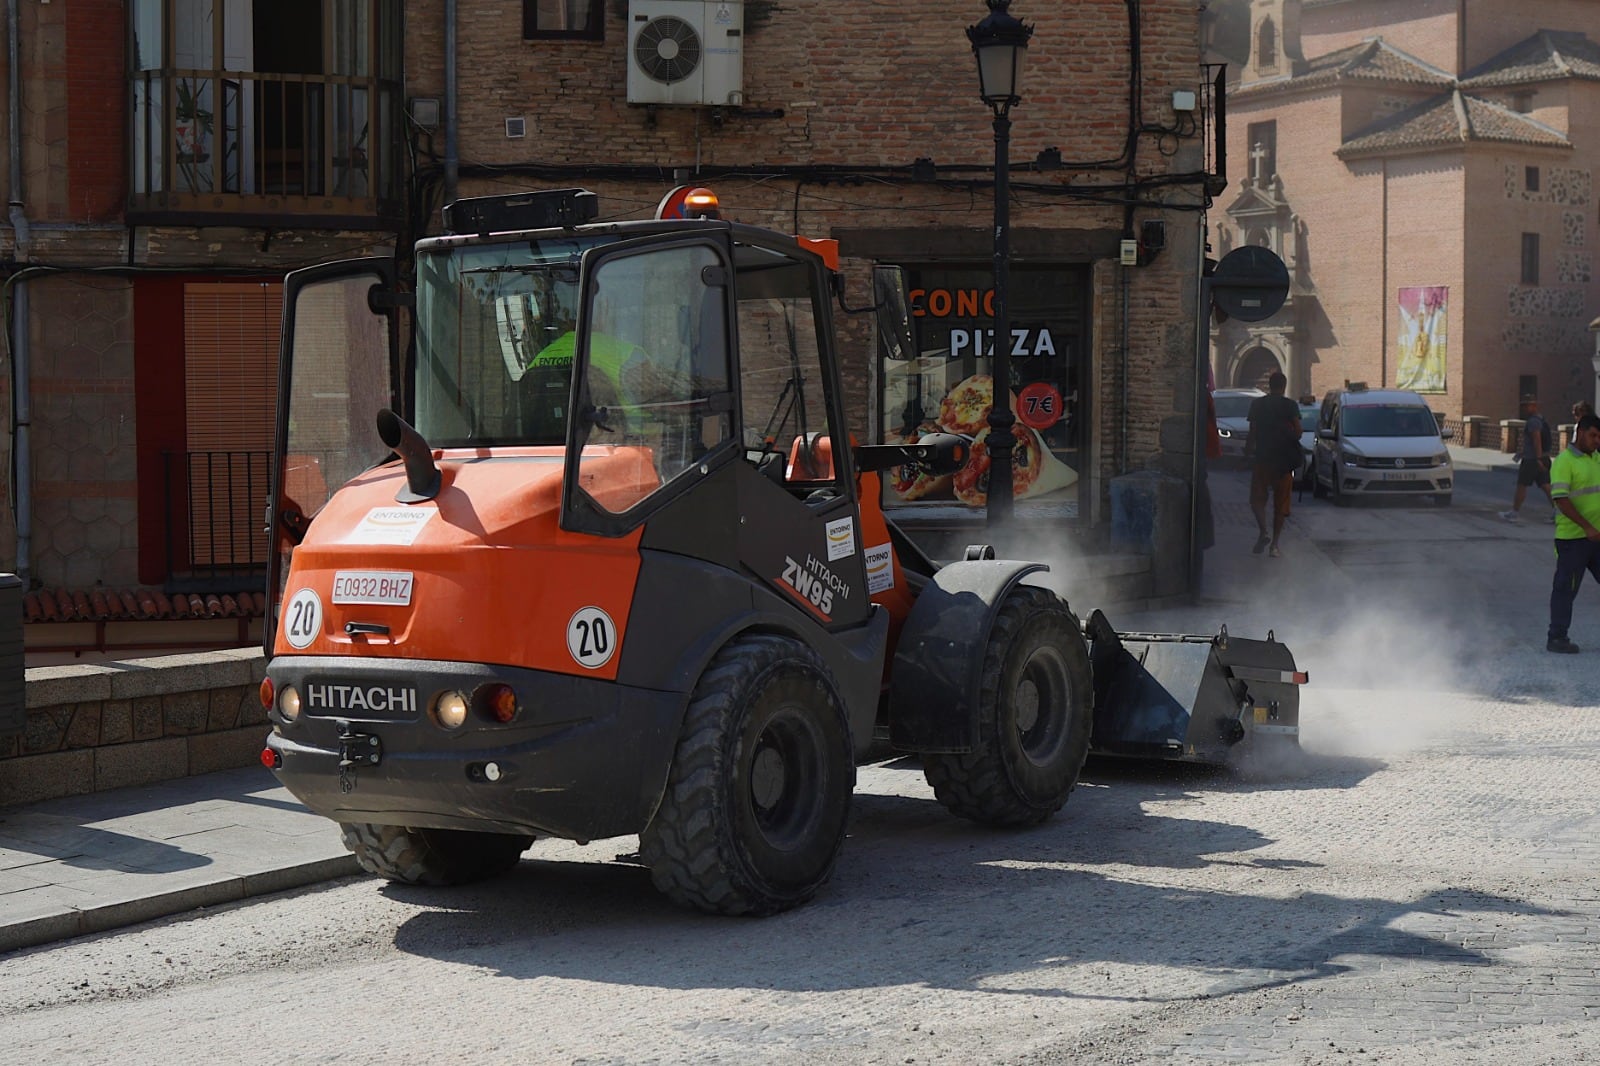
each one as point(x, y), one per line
point(922, 899)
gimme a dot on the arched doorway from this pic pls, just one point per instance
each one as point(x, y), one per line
point(1254, 367)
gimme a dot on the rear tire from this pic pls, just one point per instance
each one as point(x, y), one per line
point(432, 856)
point(756, 803)
point(1034, 715)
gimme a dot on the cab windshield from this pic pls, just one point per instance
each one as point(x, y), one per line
point(495, 342)
point(1390, 420)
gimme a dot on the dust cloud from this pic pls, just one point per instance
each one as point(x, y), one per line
point(1384, 662)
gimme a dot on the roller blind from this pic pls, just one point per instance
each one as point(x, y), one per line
point(231, 383)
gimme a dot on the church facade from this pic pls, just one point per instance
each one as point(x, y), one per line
point(1425, 171)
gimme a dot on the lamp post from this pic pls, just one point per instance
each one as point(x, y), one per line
point(1000, 42)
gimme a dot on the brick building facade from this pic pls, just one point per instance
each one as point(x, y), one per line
point(1426, 171)
point(862, 123)
point(265, 137)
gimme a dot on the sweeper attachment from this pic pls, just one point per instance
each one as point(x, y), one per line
point(1208, 699)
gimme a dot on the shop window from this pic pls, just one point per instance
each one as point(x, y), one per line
point(581, 20)
point(947, 385)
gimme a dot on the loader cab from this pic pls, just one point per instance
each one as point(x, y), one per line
point(679, 374)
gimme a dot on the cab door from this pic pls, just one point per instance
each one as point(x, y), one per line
point(800, 525)
point(652, 381)
point(338, 366)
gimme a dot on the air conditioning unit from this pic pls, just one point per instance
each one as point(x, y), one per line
point(686, 52)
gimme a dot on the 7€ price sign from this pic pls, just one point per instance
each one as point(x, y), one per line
point(1039, 405)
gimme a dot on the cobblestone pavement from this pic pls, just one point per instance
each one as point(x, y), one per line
point(1428, 889)
point(1423, 887)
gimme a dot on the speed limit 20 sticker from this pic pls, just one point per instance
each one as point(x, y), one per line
point(591, 637)
point(302, 618)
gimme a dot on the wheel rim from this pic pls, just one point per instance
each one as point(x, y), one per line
point(1042, 706)
point(787, 755)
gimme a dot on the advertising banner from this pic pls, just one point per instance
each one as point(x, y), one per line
point(947, 387)
point(1421, 364)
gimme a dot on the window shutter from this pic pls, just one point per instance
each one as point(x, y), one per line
point(231, 385)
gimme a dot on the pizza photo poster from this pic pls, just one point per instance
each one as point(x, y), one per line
point(948, 385)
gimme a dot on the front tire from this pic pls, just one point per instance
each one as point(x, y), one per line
point(432, 856)
point(1034, 715)
point(758, 796)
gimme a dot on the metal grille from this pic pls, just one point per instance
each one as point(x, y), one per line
point(216, 502)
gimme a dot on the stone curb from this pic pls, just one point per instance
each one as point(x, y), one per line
point(69, 922)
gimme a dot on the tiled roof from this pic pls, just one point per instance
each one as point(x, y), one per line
point(137, 605)
point(1451, 119)
point(1546, 56)
point(1372, 60)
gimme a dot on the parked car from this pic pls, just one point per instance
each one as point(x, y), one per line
point(1380, 442)
point(1233, 422)
point(1309, 413)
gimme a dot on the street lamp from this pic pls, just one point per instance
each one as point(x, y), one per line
point(1001, 44)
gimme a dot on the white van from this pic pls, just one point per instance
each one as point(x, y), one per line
point(1380, 442)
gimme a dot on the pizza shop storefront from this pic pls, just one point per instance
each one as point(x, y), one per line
point(948, 387)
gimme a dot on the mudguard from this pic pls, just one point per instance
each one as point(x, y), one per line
point(938, 663)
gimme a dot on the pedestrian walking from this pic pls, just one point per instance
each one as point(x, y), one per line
point(1273, 443)
point(1575, 490)
point(1534, 455)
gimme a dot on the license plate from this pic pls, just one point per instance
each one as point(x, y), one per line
point(1397, 476)
point(389, 588)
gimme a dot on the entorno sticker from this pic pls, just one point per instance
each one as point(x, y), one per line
point(591, 637)
point(302, 618)
point(390, 525)
point(841, 538)
point(880, 568)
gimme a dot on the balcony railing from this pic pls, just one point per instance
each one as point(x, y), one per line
point(226, 142)
point(215, 507)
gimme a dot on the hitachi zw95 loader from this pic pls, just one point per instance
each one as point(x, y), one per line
point(595, 555)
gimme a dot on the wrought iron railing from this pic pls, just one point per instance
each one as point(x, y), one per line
point(215, 506)
point(256, 138)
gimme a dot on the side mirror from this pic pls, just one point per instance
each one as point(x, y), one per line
point(1326, 433)
point(891, 305)
point(1446, 433)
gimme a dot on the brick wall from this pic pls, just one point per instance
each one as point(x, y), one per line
point(85, 486)
point(877, 86)
point(96, 123)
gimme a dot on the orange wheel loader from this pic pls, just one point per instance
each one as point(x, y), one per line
point(609, 563)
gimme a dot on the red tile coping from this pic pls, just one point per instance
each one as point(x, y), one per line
point(137, 605)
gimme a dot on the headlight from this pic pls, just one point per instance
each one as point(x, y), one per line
point(1442, 459)
point(289, 703)
point(1350, 458)
point(450, 709)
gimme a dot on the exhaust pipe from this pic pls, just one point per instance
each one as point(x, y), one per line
point(422, 477)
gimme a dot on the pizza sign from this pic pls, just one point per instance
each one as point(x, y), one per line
point(1024, 342)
